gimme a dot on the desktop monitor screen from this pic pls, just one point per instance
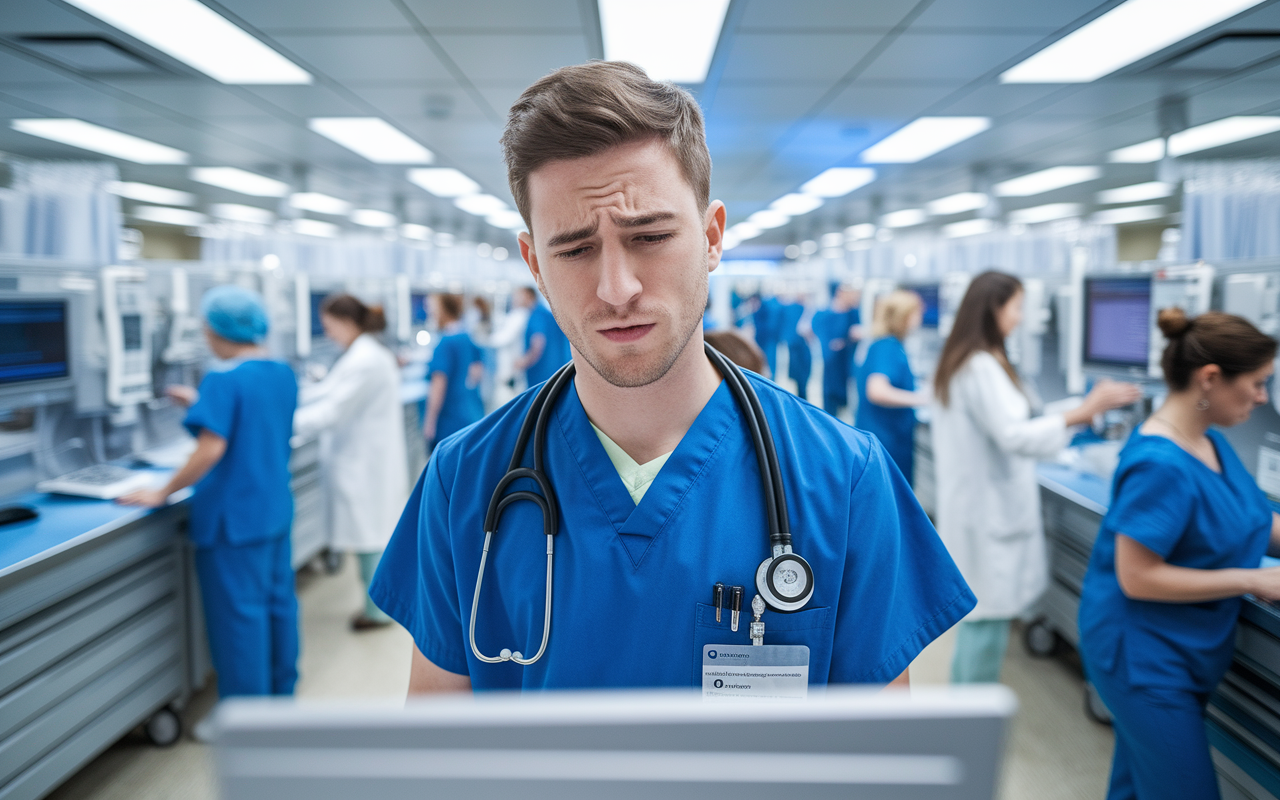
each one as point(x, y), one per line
point(317, 300)
point(33, 340)
point(1117, 324)
point(929, 295)
point(418, 308)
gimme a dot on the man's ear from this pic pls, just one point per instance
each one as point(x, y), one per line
point(529, 254)
point(713, 222)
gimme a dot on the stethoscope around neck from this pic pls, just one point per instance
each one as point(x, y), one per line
point(784, 580)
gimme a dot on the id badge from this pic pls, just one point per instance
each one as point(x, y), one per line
point(755, 672)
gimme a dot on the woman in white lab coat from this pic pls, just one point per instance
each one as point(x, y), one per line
point(985, 445)
point(358, 412)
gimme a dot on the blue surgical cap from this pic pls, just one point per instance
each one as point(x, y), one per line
point(235, 313)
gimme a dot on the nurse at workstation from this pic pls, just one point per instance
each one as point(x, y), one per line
point(1181, 542)
point(612, 174)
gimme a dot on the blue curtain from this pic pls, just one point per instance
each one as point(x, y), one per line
point(1230, 209)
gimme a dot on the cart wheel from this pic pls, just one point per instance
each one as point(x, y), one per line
point(164, 728)
point(1041, 641)
point(1094, 708)
point(332, 562)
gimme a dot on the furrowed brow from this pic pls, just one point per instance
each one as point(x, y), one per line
point(569, 237)
point(641, 221)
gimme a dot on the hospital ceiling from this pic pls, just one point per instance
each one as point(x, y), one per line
point(795, 87)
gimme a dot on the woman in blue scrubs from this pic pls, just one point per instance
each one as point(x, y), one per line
point(455, 372)
point(1180, 544)
point(242, 509)
point(834, 328)
point(887, 396)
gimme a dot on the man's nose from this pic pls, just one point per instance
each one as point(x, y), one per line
point(619, 284)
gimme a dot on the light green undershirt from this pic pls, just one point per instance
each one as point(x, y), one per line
point(636, 477)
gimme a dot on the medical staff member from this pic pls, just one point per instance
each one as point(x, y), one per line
point(985, 447)
point(455, 373)
point(768, 322)
point(358, 414)
point(887, 396)
point(836, 329)
point(611, 171)
point(242, 510)
point(1180, 544)
point(545, 347)
point(795, 333)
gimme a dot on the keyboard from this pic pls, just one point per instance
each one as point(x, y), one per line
point(103, 481)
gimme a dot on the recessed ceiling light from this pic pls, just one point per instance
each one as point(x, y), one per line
point(1045, 213)
point(239, 213)
point(746, 230)
point(506, 219)
point(865, 230)
point(147, 193)
point(839, 181)
point(1140, 153)
point(957, 204)
point(443, 181)
point(923, 138)
point(314, 227)
point(373, 138)
point(1046, 180)
point(196, 35)
point(1119, 216)
point(1202, 137)
point(320, 203)
point(411, 231)
point(768, 218)
point(482, 205)
point(1135, 193)
point(969, 227)
point(794, 205)
point(373, 218)
point(644, 34)
point(169, 216)
point(238, 180)
point(1131, 31)
point(98, 139)
point(905, 218)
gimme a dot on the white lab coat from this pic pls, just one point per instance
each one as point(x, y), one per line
point(985, 448)
point(357, 411)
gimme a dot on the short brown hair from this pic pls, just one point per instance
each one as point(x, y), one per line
point(585, 109)
point(1231, 342)
point(450, 306)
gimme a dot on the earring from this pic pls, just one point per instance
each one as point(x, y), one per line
point(1202, 404)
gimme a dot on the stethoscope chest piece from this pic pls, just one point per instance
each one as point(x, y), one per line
point(785, 581)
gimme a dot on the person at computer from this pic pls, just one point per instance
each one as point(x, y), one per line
point(985, 447)
point(242, 509)
point(612, 174)
point(887, 396)
point(1181, 542)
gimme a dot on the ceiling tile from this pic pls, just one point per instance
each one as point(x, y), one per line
point(398, 56)
point(511, 56)
point(958, 58)
point(995, 15)
point(763, 101)
point(297, 15)
point(499, 14)
point(303, 102)
point(17, 69)
point(795, 56)
point(44, 18)
point(893, 100)
point(997, 100)
point(823, 15)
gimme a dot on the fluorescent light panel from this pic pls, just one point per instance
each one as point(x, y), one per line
point(506, 219)
point(1127, 33)
point(373, 218)
point(647, 35)
point(1202, 137)
point(957, 204)
point(864, 231)
point(373, 138)
point(419, 232)
point(320, 203)
point(1119, 216)
point(1045, 213)
point(314, 227)
point(794, 205)
point(198, 36)
point(1140, 153)
point(146, 193)
point(1046, 180)
point(87, 136)
point(746, 230)
point(238, 180)
point(240, 213)
point(923, 138)
point(169, 216)
point(482, 205)
point(768, 218)
point(443, 181)
point(969, 227)
point(1135, 193)
point(905, 218)
point(839, 181)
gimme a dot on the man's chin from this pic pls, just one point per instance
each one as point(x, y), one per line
point(630, 371)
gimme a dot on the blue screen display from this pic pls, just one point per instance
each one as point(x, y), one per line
point(317, 328)
point(1117, 321)
point(33, 341)
point(418, 308)
point(929, 295)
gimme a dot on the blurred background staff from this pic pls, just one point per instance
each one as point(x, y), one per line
point(546, 349)
point(985, 446)
point(795, 334)
point(887, 396)
point(836, 328)
point(455, 374)
point(357, 412)
point(768, 321)
point(506, 343)
point(1180, 544)
point(242, 510)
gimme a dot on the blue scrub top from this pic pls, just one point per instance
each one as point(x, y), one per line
point(633, 582)
point(245, 498)
point(555, 354)
point(1169, 501)
point(792, 313)
point(894, 427)
point(832, 326)
point(768, 319)
point(453, 357)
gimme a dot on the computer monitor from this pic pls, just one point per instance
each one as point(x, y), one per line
point(317, 300)
point(929, 296)
point(1117, 324)
point(35, 343)
point(846, 743)
point(418, 307)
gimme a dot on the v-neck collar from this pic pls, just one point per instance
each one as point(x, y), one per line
point(638, 526)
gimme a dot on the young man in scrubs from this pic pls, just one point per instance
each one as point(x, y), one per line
point(649, 454)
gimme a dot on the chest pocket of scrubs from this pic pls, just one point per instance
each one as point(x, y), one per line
point(812, 627)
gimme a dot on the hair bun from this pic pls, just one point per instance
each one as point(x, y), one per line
point(1173, 322)
point(375, 320)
